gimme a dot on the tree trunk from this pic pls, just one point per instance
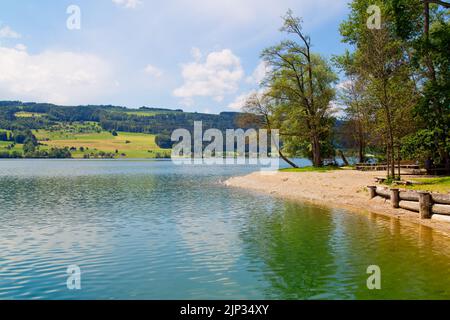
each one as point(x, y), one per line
point(292, 164)
point(390, 129)
point(387, 161)
point(362, 157)
point(399, 163)
point(344, 159)
point(317, 157)
point(392, 152)
point(426, 25)
point(361, 143)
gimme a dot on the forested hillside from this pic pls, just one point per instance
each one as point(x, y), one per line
point(46, 130)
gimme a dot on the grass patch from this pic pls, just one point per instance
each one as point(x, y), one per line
point(141, 113)
point(147, 113)
point(441, 184)
point(311, 169)
point(24, 114)
point(4, 146)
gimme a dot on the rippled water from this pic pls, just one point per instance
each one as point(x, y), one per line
point(152, 230)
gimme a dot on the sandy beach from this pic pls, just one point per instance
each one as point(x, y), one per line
point(340, 188)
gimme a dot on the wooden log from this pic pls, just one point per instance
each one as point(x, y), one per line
point(425, 205)
point(440, 217)
point(441, 209)
point(395, 197)
point(409, 196)
point(380, 179)
point(441, 198)
point(383, 193)
point(372, 191)
point(409, 205)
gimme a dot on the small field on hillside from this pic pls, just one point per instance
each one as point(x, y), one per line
point(124, 145)
point(23, 114)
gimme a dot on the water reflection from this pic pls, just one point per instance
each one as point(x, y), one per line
point(312, 253)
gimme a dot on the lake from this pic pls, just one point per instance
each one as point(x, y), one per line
point(153, 230)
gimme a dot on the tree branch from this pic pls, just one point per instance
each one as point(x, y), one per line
point(442, 3)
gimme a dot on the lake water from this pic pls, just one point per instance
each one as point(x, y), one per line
point(152, 230)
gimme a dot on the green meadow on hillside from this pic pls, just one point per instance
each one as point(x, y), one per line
point(124, 145)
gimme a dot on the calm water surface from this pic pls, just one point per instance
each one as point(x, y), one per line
point(152, 230)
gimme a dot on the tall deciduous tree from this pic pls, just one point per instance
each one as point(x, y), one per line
point(302, 85)
point(357, 110)
point(381, 60)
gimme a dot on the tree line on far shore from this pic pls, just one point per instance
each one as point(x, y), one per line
point(30, 147)
point(394, 100)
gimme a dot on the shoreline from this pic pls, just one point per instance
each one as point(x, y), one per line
point(344, 189)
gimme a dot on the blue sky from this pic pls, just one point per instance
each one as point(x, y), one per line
point(198, 55)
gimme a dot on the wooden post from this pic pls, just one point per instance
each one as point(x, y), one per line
point(372, 191)
point(425, 205)
point(395, 198)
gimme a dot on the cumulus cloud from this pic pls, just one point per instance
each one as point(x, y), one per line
point(53, 76)
point(218, 76)
point(239, 101)
point(130, 4)
point(7, 32)
point(153, 71)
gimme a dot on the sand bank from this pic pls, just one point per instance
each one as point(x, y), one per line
point(340, 188)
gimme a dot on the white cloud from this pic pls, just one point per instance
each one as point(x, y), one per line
point(153, 71)
point(7, 32)
point(130, 4)
point(52, 76)
point(21, 47)
point(259, 73)
point(218, 76)
point(239, 101)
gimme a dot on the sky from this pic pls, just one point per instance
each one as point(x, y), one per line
point(197, 55)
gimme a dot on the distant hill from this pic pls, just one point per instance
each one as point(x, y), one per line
point(32, 129)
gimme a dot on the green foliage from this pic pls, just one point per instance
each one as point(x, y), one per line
point(164, 141)
point(53, 153)
point(419, 146)
point(29, 148)
point(391, 68)
point(10, 155)
point(4, 136)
